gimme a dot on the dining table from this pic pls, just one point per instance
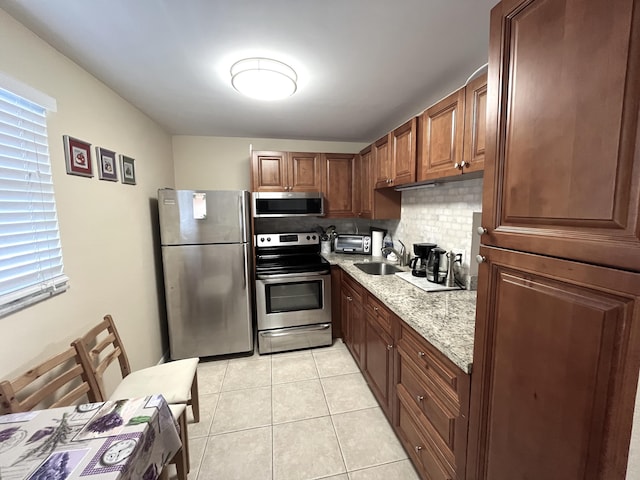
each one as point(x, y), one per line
point(113, 440)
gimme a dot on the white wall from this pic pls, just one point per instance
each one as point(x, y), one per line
point(222, 163)
point(106, 228)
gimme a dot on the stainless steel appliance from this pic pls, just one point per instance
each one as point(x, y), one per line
point(207, 263)
point(418, 263)
point(437, 265)
point(288, 204)
point(353, 243)
point(293, 292)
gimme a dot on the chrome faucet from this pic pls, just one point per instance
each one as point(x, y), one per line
point(400, 255)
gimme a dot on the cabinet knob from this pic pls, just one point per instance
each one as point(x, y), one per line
point(463, 164)
point(456, 165)
point(418, 448)
point(481, 231)
point(421, 354)
point(419, 398)
point(375, 308)
point(389, 347)
point(349, 298)
point(480, 259)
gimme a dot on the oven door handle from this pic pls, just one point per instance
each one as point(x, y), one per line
point(292, 275)
point(294, 331)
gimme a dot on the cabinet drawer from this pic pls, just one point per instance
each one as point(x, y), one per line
point(379, 312)
point(440, 416)
point(417, 349)
point(353, 285)
point(422, 451)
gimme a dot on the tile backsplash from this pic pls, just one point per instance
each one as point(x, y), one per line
point(444, 215)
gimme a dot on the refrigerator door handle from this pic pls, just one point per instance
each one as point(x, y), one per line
point(246, 265)
point(243, 218)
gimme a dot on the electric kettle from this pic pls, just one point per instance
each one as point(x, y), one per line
point(436, 262)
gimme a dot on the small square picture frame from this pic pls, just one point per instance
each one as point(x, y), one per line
point(127, 170)
point(107, 164)
point(77, 155)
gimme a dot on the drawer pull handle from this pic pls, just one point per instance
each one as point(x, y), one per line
point(419, 398)
point(418, 448)
point(421, 354)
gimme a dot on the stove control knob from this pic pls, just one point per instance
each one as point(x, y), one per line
point(268, 239)
point(262, 239)
point(308, 237)
point(314, 237)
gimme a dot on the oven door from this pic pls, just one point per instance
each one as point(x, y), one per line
point(293, 299)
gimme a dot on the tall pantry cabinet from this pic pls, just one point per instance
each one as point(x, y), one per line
point(557, 346)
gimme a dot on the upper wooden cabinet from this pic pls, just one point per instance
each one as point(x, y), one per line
point(365, 175)
point(453, 134)
point(442, 133)
point(375, 204)
point(340, 192)
point(383, 165)
point(395, 156)
point(562, 174)
point(286, 172)
point(475, 125)
point(404, 152)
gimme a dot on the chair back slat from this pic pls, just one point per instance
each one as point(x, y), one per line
point(65, 368)
point(99, 348)
point(73, 396)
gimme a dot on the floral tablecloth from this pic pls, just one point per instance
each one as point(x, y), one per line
point(123, 439)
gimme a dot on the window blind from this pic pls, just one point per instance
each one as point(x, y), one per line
point(31, 267)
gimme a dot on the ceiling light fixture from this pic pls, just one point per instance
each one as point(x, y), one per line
point(263, 78)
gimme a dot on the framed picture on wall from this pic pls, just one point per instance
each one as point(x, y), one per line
point(128, 170)
point(106, 164)
point(78, 156)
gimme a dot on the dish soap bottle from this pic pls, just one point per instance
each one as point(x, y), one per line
point(387, 242)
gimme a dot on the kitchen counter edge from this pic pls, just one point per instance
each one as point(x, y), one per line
point(445, 319)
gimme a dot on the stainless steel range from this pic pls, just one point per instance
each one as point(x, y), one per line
point(293, 292)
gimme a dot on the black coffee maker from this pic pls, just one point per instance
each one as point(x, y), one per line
point(418, 263)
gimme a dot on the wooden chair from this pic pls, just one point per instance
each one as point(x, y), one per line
point(67, 368)
point(177, 381)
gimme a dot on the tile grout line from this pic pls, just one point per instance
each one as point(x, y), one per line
point(333, 425)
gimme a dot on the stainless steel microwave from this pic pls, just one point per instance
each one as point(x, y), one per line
point(287, 204)
point(353, 244)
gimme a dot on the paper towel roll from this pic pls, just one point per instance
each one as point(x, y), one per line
point(376, 243)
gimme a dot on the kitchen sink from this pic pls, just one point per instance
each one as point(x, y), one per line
point(377, 268)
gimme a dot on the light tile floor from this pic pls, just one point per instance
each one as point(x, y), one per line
point(292, 416)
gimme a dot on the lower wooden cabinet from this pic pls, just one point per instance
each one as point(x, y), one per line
point(378, 362)
point(423, 394)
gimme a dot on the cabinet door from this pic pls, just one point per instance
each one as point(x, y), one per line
point(269, 171)
point(403, 152)
point(339, 192)
point(346, 297)
point(441, 132)
point(555, 369)
point(562, 171)
point(305, 172)
point(365, 175)
point(356, 317)
point(378, 363)
point(383, 171)
point(475, 125)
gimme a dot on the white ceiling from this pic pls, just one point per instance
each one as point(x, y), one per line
point(364, 66)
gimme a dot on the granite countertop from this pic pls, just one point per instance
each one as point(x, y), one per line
point(445, 319)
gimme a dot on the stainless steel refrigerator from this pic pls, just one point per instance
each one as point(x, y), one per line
point(206, 258)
